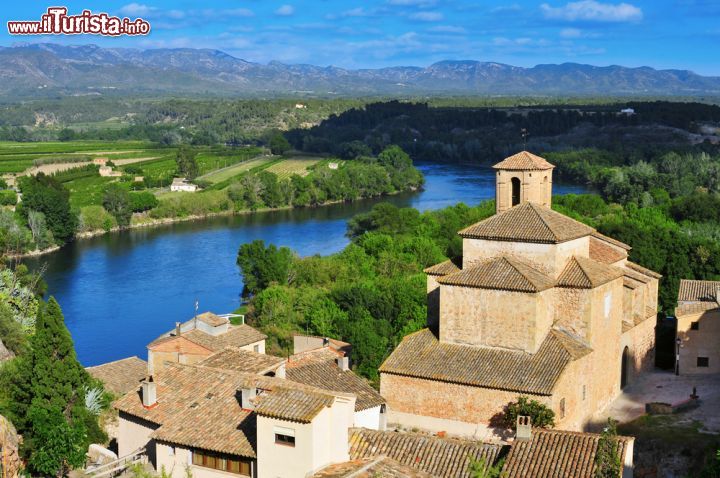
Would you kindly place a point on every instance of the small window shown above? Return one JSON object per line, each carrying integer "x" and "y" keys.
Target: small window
{"x": 171, "y": 450}
{"x": 694, "y": 325}
{"x": 583, "y": 392}
{"x": 608, "y": 304}
{"x": 703, "y": 362}
{"x": 286, "y": 440}
{"x": 256, "y": 348}
{"x": 562, "y": 408}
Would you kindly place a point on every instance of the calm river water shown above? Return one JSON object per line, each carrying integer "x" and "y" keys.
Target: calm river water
{"x": 119, "y": 291}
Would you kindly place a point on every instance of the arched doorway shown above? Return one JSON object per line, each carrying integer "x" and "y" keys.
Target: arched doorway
{"x": 624, "y": 369}
{"x": 515, "y": 182}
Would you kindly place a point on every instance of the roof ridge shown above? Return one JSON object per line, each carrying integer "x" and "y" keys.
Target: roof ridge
{"x": 540, "y": 216}
{"x": 513, "y": 262}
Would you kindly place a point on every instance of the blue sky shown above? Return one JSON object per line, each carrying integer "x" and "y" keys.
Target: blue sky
{"x": 681, "y": 34}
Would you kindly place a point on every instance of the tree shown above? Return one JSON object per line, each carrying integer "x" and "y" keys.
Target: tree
{"x": 41, "y": 234}
{"x": 607, "y": 458}
{"x": 46, "y": 390}
{"x": 144, "y": 201}
{"x": 45, "y": 194}
{"x": 541, "y": 416}
{"x": 116, "y": 201}
{"x": 186, "y": 164}
{"x": 262, "y": 265}
{"x": 278, "y": 144}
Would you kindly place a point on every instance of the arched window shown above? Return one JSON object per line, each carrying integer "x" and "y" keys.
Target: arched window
{"x": 515, "y": 191}
{"x": 624, "y": 370}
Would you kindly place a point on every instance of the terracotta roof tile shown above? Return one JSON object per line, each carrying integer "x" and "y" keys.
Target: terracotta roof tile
{"x": 442, "y": 457}
{"x": 524, "y": 161}
{"x": 444, "y": 268}
{"x": 236, "y": 335}
{"x": 327, "y": 375}
{"x": 643, "y": 270}
{"x": 584, "y": 273}
{"x": 292, "y": 404}
{"x": 239, "y": 360}
{"x": 120, "y": 376}
{"x": 212, "y": 319}
{"x": 603, "y": 252}
{"x": 528, "y": 222}
{"x": 421, "y": 355}
{"x": 371, "y": 467}
{"x": 503, "y": 273}
{"x": 556, "y": 454}
{"x": 180, "y": 344}
{"x": 611, "y": 240}
{"x": 698, "y": 290}
{"x": 636, "y": 276}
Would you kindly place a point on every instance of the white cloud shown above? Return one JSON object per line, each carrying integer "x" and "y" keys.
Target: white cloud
{"x": 136, "y": 10}
{"x": 427, "y": 16}
{"x": 571, "y": 33}
{"x": 591, "y": 10}
{"x": 414, "y": 3}
{"x": 285, "y": 11}
{"x": 447, "y": 29}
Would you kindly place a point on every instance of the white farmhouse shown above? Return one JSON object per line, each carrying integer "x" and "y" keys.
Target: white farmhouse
{"x": 182, "y": 184}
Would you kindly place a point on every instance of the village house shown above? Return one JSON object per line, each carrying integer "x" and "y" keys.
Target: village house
{"x": 698, "y": 326}
{"x": 199, "y": 338}
{"x": 107, "y": 172}
{"x": 183, "y": 185}
{"x": 539, "y": 305}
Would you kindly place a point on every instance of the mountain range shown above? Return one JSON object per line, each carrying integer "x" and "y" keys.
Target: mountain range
{"x": 47, "y": 69}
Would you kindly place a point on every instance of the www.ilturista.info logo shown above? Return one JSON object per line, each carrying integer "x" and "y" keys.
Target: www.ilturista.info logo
{"x": 57, "y": 22}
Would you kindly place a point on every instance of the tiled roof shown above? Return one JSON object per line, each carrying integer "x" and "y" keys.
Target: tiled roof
{"x": 524, "y": 161}
{"x": 212, "y": 319}
{"x": 556, "y": 454}
{"x": 327, "y": 375}
{"x": 444, "y": 268}
{"x": 603, "y": 252}
{"x": 291, "y": 404}
{"x": 643, "y": 270}
{"x": 442, "y": 457}
{"x": 584, "y": 273}
{"x": 180, "y": 344}
{"x": 120, "y": 376}
{"x": 421, "y": 355}
{"x": 371, "y": 467}
{"x": 698, "y": 290}
{"x": 237, "y": 335}
{"x": 191, "y": 398}
{"x": 503, "y": 273}
{"x": 611, "y": 240}
{"x": 636, "y": 276}
{"x": 630, "y": 283}
{"x": 239, "y": 360}
{"x": 528, "y": 222}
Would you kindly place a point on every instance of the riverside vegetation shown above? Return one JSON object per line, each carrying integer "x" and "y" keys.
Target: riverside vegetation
{"x": 55, "y": 207}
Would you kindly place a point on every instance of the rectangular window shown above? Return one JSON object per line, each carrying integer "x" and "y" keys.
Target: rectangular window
{"x": 703, "y": 362}
{"x": 286, "y": 440}
{"x": 562, "y": 408}
{"x": 608, "y": 304}
{"x": 256, "y": 348}
{"x": 583, "y": 394}
{"x": 222, "y": 462}
{"x": 694, "y": 325}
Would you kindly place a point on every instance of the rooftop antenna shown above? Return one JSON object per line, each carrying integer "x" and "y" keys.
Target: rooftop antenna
{"x": 524, "y": 133}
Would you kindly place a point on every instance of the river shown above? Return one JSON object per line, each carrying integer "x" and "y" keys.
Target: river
{"x": 121, "y": 290}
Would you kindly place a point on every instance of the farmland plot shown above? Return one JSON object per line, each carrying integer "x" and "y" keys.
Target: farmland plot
{"x": 286, "y": 168}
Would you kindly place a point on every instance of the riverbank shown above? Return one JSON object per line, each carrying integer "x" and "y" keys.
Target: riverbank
{"x": 143, "y": 220}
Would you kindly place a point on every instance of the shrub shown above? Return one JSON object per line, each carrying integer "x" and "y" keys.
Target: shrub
{"x": 8, "y": 197}
{"x": 540, "y": 415}
{"x": 140, "y": 202}
{"x": 93, "y": 218}
{"x": 188, "y": 204}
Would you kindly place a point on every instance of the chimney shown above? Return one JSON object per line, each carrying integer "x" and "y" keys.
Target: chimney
{"x": 247, "y": 397}
{"x": 523, "y": 431}
{"x": 149, "y": 393}
{"x": 325, "y": 341}
{"x": 343, "y": 363}
{"x": 280, "y": 371}
{"x": 178, "y": 330}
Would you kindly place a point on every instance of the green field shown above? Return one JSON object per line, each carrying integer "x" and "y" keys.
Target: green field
{"x": 297, "y": 165}
{"x": 88, "y": 191}
{"x": 227, "y": 173}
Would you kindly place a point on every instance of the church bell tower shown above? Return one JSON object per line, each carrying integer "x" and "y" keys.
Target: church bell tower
{"x": 522, "y": 177}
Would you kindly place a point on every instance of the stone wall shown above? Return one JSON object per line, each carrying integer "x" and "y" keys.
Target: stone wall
{"x": 535, "y": 186}
{"x": 702, "y": 342}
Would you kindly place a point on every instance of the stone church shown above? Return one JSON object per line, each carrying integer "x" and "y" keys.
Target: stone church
{"x": 539, "y": 305}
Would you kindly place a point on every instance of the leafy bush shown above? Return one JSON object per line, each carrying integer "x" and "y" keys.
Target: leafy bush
{"x": 541, "y": 415}
{"x": 140, "y": 202}
{"x": 8, "y": 197}
{"x": 184, "y": 204}
{"x": 93, "y": 218}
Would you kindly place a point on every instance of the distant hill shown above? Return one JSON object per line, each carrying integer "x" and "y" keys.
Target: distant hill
{"x": 44, "y": 70}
